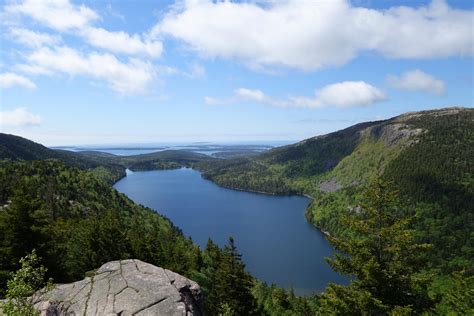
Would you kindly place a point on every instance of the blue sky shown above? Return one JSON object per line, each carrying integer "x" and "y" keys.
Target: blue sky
{"x": 104, "y": 72}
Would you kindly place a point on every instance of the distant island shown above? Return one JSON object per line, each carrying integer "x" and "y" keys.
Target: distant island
{"x": 395, "y": 196}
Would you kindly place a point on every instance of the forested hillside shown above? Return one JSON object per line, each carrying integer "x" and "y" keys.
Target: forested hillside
{"x": 18, "y": 148}
{"x": 422, "y": 165}
{"x": 107, "y": 166}
{"x": 427, "y": 156}
{"x": 76, "y": 222}
{"x": 166, "y": 159}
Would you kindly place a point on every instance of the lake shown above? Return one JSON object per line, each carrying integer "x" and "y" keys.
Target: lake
{"x": 277, "y": 243}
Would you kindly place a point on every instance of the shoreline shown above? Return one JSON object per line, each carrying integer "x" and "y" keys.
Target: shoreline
{"x": 306, "y": 195}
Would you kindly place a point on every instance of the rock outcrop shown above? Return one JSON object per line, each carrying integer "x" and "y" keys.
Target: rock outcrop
{"x": 330, "y": 186}
{"x": 126, "y": 287}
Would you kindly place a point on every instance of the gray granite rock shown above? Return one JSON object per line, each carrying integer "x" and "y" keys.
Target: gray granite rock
{"x": 330, "y": 186}
{"x": 127, "y": 287}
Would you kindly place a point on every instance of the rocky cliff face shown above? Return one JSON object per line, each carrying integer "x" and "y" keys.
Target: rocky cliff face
{"x": 127, "y": 287}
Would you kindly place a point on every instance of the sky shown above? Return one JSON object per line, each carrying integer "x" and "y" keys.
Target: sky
{"x": 115, "y": 72}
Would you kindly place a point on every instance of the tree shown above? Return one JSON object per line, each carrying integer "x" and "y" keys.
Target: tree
{"x": 382, "y": 256}
{"x": 24, "y": 283}
{"x": 458, "y": 295}
{"x": 226, "y": 284}
{"x": 233, "y": 283}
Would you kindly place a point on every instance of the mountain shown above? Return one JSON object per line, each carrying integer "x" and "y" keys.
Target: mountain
{"x": 14, "y": 147}
{"x": 166, "y": 159}
{"x": 108, "y": 166}
{"x": 76, "y": 222}
{"x": 428, "y": 156}
{"x": 52, "y": 202}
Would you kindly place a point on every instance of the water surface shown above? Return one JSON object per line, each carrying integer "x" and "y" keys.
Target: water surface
{"x": 277, "y": 243}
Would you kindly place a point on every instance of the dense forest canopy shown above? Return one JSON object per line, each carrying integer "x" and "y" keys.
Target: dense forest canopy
{"x": 76, "y": 222}
{"x": 428, "y": 156}
{"x": 422, "y": 165}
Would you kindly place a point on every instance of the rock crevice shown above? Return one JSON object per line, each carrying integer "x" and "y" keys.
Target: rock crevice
{"x": 126, "y": 287}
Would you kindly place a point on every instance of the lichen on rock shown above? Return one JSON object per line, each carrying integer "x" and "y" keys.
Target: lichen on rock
{"x": 126, "y": 287}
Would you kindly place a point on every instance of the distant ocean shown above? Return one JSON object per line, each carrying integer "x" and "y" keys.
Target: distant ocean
{"x": 203, "y": 148}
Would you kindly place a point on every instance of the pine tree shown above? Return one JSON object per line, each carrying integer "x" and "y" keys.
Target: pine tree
{"x": 234, "y": 283}
{"x": 225, "y": 283}
{"x": 382, "y": 256}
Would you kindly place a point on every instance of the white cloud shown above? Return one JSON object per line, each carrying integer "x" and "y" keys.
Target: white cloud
{"x": 125, "y": 78}
{"x": 18, "y": 117}
{"x": 309, "y": 35}
{"x": 216, "y": 101}
{"x": 417, "y": 80}
{"x": 350, "y": 94}
{"x": 255, "y": 95}
{"x": 122, "y": 72}
{"x": 57, "y": 14}
{"x": 9, "y": 79}
{"x": 63, "y": 16}
{"x": 32, "y": 38}
{"x": 121, "y": 42}
{"x": 33, "y": 69}
{"x": 342, "y": 95}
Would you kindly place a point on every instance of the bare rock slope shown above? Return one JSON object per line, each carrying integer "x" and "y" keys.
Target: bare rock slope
{"x": 126, "y": 287}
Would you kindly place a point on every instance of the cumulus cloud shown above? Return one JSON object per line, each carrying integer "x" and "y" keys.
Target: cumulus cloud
{"x": 312, "y": 34}
{"x": 57, "y": 14}
{"x": 10, "y": 79}
{"x": 350, "y": 94}
{"x": 121, "y": 59}
{"x": 18, "y": 117}
{"x": 125, "y": 78}
{"x": 121, "y": 42}
{"x": 32, "y": 38}
{"x": 63, "y": 16}
{"x": 342, "y": 95}
{"x": 417, "y": 80}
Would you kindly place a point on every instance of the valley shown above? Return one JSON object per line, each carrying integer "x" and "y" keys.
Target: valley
{"x": 424, "y": 158}
{"x": 277, "y": 244}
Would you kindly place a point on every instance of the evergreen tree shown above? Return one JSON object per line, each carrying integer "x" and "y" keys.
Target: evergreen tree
{"x": 458, "y": 296}
{"x": 224, "y": 281}
{"x": 234, "y": 283}
{"x": 382, "y": 256}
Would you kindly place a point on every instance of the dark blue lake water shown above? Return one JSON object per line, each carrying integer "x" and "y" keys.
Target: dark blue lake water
{"x": 277, "y": 243}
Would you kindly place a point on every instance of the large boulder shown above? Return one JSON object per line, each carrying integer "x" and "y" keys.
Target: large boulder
{"x": 126, "y": 287}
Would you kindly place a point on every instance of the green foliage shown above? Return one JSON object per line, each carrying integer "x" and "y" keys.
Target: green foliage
{"x": 273, "y": 300}
{"x": 225, "y": 282}
{"x": 65, "y": 213}
{"x": 76, "y": 222}
{"x": 17, "y": 148}
{"x": 428, "y": 156}
{"x": 24, "y": 283}
{"x": 279, "y": 170}
{"x": 383, "y": 257}
{"x": 327, "y": 209}
{"x": 317, "y": 155}
{"x": 457, "y": 293}
{"x": 248, "y": 175}
{"x": 437, "y": 176}
{"x": 369, "y": 158}
{"x": 166, "y": 159}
